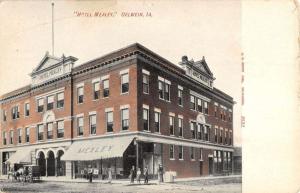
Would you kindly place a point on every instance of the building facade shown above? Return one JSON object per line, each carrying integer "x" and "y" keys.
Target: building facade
{"x": 128, "y": 108}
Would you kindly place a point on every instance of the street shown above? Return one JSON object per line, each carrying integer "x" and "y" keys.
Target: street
{"x": 71, "y": 187}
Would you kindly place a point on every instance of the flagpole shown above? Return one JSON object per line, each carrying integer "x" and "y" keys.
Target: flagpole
{"x": 52, "y": 29}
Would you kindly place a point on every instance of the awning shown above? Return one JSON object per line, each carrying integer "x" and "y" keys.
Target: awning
{"x": 20, "y": 157}
{"x": 95, "y": 149}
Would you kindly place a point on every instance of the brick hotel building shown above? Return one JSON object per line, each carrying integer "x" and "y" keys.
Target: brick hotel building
{"x": 129, "y": 107}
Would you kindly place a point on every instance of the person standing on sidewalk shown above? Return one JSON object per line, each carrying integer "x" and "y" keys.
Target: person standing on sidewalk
{"x": 109, "y": 175}
{"x": 90, "y": 175}
{"x": 146, "y": 175}
{"x": 160, "y": 174}
{"x": 132, "y": 175}
{"x": 138, "y": 175}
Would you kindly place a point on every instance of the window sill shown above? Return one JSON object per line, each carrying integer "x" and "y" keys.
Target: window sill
{"x": 193, "y": 160}
{"x": 158, "y": 133}
{"x": 121, "y": 130}
{"x": 109, "y": 133}
{"x": 125, "y": 93}
{"x": 105, "y": 97}
{"x": 59, "y": 108}
{"x": 180, "y": 106}
{"x": 201, "y": 160}
{"x": 181, "y": 159}
{"x": 172, "y": 159}
{"x": 147, "y": 131}
{"x": 94, "y": 100}
{"x": 79, "y": 136}
{"x": 145, "y": 93}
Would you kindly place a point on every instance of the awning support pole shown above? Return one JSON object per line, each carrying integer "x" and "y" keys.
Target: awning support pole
{"x": 137, "y": 155}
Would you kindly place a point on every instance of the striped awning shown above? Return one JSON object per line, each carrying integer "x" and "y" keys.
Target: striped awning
{"x": 20, "y": 157}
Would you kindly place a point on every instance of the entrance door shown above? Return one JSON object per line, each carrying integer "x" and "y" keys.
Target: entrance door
{"x": 210, "y": 165}
{"x": 201, "y": 168}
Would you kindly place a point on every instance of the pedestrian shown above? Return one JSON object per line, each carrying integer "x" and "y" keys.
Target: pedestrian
{"x": 90, "y": 175}
{"x": 138, "y": 175}
{"x": 132, "y": 173}
{"x": 109, "y": 175}
{"x": 160, "y": 174}
{"x": 146, "y": 175}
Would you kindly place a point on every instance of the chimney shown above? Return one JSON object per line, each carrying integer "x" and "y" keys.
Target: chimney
{"x": 184, "y": 58}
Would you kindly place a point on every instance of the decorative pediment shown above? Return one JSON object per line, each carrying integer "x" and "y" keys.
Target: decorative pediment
{"x": 46, "y": 62}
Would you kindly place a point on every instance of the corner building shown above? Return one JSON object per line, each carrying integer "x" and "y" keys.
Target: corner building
{"x": 128, "y": 108}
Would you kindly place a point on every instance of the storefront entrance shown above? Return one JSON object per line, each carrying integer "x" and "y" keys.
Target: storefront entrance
{"x": 41, "y": 162}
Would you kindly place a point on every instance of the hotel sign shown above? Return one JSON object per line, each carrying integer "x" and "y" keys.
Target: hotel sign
{"x": 50, "y": 74}
{"x": 199, "y": 77}
{"x": 95, "y": 149}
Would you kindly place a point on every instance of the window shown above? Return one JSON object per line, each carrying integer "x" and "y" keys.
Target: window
{"x": 221, "y": 134}
{"x": 146, "y": 83}
{"x": 26, "y": 134}
{"x": 146, "y": 119}
{"x": 60, "y": 100}
{"x": 19, "y": 135}
{"x": 229, "y": 116}
{"x": 124, "y": 83}
{"x": 201, "y": 154}
{"x": 106, "y": 88}
{"x": 80, "y": 95}
{"x": 205, "y": 107}
{"x": 199, "y": 105}
{"x": 161, "y": 89}
{"x": 230, "y": 137}
{"x": 171, "y": 124}
{"x": 40, "y": 132}
{"x": 26, "y": 109}
{"x": 180, "y": 102}
{"x": 15, "y": 112}
{"x": 50, "y": 102}
{"x": 92, "y": 124}
{"x": 216, "y": 110}
{"x": 40, "y": 105}
{"x": 109, "y": 121}
{"x": 206, "y": 133}
{"x": 192, "y": 153}
{"x": 79, "y": 126}
{"x": 125, "y": 118}
{"x": 96, "y": 90}
{"x": 4, "y": 137}
{"x": 200, "y": 131}
{"x": 180, "y": 152}
{"x": 216, "y": 135}
{"x": 192, "y": 103}
{"x": 157, "y": 121}
{"x": 193, "y": 129}
{"x": 171, "y": 151}
{"x": 60, "y": 129}
{"x": 180, "y": 127}
{"x": 11, "y": 134}
{"x": 4, "y": 115}
{"x": 49, "y": 130}
{"x": 167, "y": 92}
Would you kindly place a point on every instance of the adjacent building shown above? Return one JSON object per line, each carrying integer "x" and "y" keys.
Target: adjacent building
{"x": 128, "y": 108}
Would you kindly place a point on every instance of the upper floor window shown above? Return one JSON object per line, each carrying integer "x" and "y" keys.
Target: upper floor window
{"x": 40, "y": 132}
{"x": 27, "y": 134}
{"x": 96, "y": 90}
{"x": 157, "y": 121}
{"x": 109, "y": 121}
{"x": 80, "y": 95}
{"x": 171, "y": 151}
{"x": 161, "y": 89}
{"x": 20, "y": 135}
{"x": 192, "y": 153}
{"x": 15, "y": 112}
{"x": 40, "y": 107}
{"x": 216, "y": 110}
{"x": 79, "y": 126}
{"x": 60, "y": 100}
{"x": 180, "y": 98}
{"x": 193, "y": 129}
{"x": 93, "y": 124}
{"x": 106, "y": 88}
{"x": 225, "y": 137}
{"x": 4, "y": 137}
{"x": 146, "y": 119}
{"x": 26, "y": 109}
{"x": 145, "y": 83}
{"x": 199, "y": 105}
{"x": 11, "y": 135}
{"x": 200, "y": 131}
{"x": 216, "y": 134}
{"x": 229, "y": 116}
{"x": 167, "y": 92}
{"x": 206, "y": 132}
{"x": 180, "y": 152}
{"x": 205, "y": 107}
{"x": 230, "y": 137}
{"x": 171, "y": 125}
{"x": 180, "y": 127}
{"x": 125, "y": 118}
{"x": 4, "y": 116}
{"x": 164, "y": 89}
{"x": 192, "y": 103}
{"x": 201, "y": 154}
{"x": 60, "y": 129}
{"x": 124, "y": 83}
{"x": 49, "y": 130}
{"x": 221, "y": 135}
{"x": 50, "y": 102}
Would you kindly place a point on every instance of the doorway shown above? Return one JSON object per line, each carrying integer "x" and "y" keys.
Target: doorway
{"x": 210, "y": 165}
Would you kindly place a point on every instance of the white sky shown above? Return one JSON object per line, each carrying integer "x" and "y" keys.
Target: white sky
{"x": 193, "y": 28}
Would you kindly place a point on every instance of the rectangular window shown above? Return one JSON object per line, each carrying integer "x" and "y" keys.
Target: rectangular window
{"x": 26, "y": 109}
{"x": 125, "y": 83}
{"x": 125, "y": 119}
{"x": 27, "y": 135}
{"x": 50, "y": 102}
{"x": 79, "y": 126}
{"x": 96, "y": 90}
{"x": 60, "y": 100}
{"x": 105, "y": 88}
{"x": 201, "y": 154}
{"x": 40, "y": 132}
{"x": 146, "y": 119}
{"x": 221, "y": 135}
{"x": 11, "y": 134}
{"x": 49, "y": 130}
{"x": 199, "y": 105}
{"x": 230, "y": 138}
{"x": 225, "y": 137}
{"x": 205, "y": 107}
{"x": 206, "y": 132}
{"x": 200, "y": 131}
{"x": 180, "y": 127}
{"x": 157, "y": 121}
{"x": 4, "y": 115}
{"x": 192, "y": 153}
{"x": 161, "y": 89}
{"x": 171, "y": 151}
{"x": 80, "y": 95}
{"x": 19, "y": 135}
{"x": 4, "y": 137}
{"x": 40, "y": 105}
{"x": 167, "y": 92}
{"x": 216, "y": 110}
{"x": 92, "y": 124}
{"x": 145, "y": 83}
{"x": 216, "y": 135}
{"x": 193, "y": 129}
{"x": 15, "y": 112}
{"x": 192, "y": 103}
{"x": 180, "y": 100}
{"x": 109, "y": 121}
{"x": 180, "y": 152}
{"x": 171, "y": 125}
{"x": 60, "y": 129}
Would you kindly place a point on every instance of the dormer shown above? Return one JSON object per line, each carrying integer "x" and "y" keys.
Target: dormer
{"x": 198, "y": 70}
{"x": 51, "y": 67}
